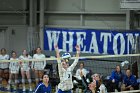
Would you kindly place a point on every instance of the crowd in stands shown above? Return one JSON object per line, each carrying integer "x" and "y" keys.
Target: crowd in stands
{"x": 83, "y": 80}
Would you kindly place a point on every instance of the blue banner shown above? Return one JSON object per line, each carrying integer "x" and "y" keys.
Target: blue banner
{"x": 91, "y": 40}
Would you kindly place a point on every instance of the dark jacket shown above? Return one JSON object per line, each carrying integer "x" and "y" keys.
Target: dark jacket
{"x": 118, "y": 77}
{"x": 130, "y": 81}
{"x": 41, "y": 88}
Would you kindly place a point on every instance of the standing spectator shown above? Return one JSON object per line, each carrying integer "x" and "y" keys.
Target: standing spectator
{"x": 4, "y": 66}
{"x": 25, "y": 69}
{"x": 43, "y": 87}
{"x": 115, "y": 80}
{"x": 81, "y": 68}
{"x": 38, "y": 66}
{"x": 14, "y": 70}
{"x": 129, "y": 81}
{"x": 77, "y": 78}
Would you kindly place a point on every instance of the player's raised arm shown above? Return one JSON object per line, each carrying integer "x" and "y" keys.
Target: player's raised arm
{"x": 58, "y": 60}
{"x": 57, "y": 51}
{"x": 77, "y": 50}
{"x": 77, "y": 57}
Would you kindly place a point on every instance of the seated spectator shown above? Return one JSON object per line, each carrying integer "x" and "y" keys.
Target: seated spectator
{"x": 115, "y": 80}
{"x": 43, "y": 87}
{"x": 129, "y": 81}
{"x": 96, "y": 86}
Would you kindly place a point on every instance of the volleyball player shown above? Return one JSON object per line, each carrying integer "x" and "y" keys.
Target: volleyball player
{"x": 65, "y": 71}
{"x": 39, "y": 66}
{"x": 4, "y": 71}
{"x": 14, "y": 70}
{"x": 44, "y": 86}
{"x": 25, "y": 69}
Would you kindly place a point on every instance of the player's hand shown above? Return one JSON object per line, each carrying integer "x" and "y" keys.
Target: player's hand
{"x": 113, "y": 80}
{"x": 92, "y": 85}
{"x": 20, "y": 63}
{"x": 77, "y": 48}
{"x": 81, "y": 74}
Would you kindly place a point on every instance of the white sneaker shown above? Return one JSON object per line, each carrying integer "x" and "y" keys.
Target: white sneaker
{"x": 8, "y": 87}
{"x": 56, "y": 89}
{"x": 30, "y": 89}
{"x": 0, "y": 86}
{"x": 24, "y": 89}
{"x": 15, "y": 88}
{"x": 80, "y": 91}
{"x": 116, "y": 90}
{"x": 77, "y": 90}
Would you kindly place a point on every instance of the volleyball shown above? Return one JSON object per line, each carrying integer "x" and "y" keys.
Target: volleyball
{"x": 66, "y": 56}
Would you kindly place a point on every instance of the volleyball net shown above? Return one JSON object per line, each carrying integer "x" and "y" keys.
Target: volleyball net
{"x": 102, "y": 64}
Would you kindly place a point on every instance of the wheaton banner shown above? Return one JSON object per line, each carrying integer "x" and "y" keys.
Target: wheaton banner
{"x": 91, "y": 40}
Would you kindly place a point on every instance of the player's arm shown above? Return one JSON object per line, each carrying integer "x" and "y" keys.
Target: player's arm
{"x": 33, "y": 63}
{"x": 57, "y": 52}
{"x": 10, "y": 64}
{"x": 112, "y": 77}
{"x": 44, "y": 62}
{"x": 7, "y": 57}
{"x": 38, "y": 89}
{"x": 84, "y": 82}
{"x": 77, "y": 58}
{"x": 58, "y": 59}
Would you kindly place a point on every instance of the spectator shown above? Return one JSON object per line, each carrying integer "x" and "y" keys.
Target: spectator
{"x": 129, "y": 81}
{"x": 14, "y": 71}
{"x": 43, "y": 87}
{"x": 38, "y": 67}
{"x": 4, "y": 71}
{"x": 81, "y": 68}
{"x": 96, "y": 86}
{"x": 115, "y": 80}
{"x": 77, "y": 78}
{"x": 25, "y": 69}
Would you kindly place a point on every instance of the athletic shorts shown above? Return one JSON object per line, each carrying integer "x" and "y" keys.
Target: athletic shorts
{"x": 25, "y": 68}
{"x": 14, "y": 71}
{"x": 38, "y": 68}
{"x": 4, "y": 68}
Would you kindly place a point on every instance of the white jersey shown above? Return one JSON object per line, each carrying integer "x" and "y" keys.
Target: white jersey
{"x": 66, "y": 76}
{"x": 25, "y": 66}
{"x": 84, "y": 71}
{"x": 40, "y": 65}
{"x": 14, "y": 66}
{"x": 4, "y": 65}
{"x": 102, "y": 89}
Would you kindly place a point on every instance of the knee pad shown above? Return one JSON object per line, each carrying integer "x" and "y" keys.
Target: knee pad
{"x": 0, "y": 79}
{"x": 16, "y": 81}
{"x": 9, "y": 81}
{"x": 29, "y": 80}
{"x": 36, "y": 79}
{"x": 23, "y": 80}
